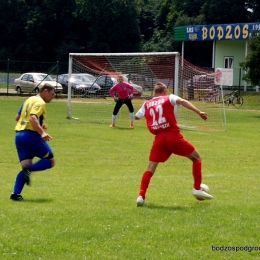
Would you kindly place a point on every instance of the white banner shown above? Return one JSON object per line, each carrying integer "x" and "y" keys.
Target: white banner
{"x": 223, "y": 77}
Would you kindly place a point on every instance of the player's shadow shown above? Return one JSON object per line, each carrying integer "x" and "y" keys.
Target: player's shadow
{"x": 38, "y": 200}
{"x": 195, "y": 205}
{"x": 171, "y": 208}
{"x": 124, "y": 128}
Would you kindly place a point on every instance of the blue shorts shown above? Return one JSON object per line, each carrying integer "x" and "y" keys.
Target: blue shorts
{"x": 29, "y": 144}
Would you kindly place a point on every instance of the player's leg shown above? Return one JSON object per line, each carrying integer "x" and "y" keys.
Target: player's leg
{"x": 118, "y": 105}
{"x": 129, "y": 104}
{"x": 19, "y": 184}
{"x": 182, "y": 147}
{"x": 196, "y": 168}
{"x": 37, "y": 147}
{"x": 145, "y": 180}
{"x": 158, "y": 153}
{"x": 42, "y": 150}
{"x": 24, "y": 175}
{"x": 23, "y": 155}
{"x": 198, "y": 192}
{"x": 29, "y": 145}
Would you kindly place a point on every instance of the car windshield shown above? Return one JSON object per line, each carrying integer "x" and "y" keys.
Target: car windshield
{"x": 80, "y": 78}
{"x": 127, "y": 79}
{"x": 43, "y": 77}
{"x": 90, "y": 77}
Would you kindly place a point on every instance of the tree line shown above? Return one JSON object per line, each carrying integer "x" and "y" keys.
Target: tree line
{"x": 48, "y": 30}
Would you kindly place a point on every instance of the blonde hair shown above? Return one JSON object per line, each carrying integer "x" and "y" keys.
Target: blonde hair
{"x": 159, "y": 87}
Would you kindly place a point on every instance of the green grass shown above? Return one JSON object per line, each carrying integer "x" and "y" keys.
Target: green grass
{"x": 84, "y": 208}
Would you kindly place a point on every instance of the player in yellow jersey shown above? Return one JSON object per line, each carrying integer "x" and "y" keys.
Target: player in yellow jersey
{"x": 31, "y": 139}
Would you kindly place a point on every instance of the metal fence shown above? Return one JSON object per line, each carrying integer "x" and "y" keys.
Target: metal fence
{"x": 12, "y": 69}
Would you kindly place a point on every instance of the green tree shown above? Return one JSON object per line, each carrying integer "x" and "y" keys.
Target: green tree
{"x": 251, "y": 64}
{"x": 113, "y": 26}
{"x": 44, "y": 30}
{"x": 161, "y": 36}
{"x": 253, "y": 7}
{"x": 147, "y": 20}
{"x": 224, "y": 11}
{"x": 12, "y": 25}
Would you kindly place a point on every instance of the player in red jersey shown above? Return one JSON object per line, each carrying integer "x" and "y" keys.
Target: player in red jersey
{"x": 160, "y": 115}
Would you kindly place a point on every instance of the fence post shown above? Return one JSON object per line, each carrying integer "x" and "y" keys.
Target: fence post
{"x": 7, "y": 80}
{"x": 57, "y": 73}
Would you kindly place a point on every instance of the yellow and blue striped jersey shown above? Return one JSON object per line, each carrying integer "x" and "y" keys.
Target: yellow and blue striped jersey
{"x": 32, "y": 106}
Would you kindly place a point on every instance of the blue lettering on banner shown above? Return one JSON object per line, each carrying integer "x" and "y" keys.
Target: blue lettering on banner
{"x": 220, "y": 32}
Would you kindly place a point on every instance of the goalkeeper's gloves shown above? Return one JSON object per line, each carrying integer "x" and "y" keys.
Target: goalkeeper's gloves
{"x": 116, "y": 99}
{"x": 130, "y": 97}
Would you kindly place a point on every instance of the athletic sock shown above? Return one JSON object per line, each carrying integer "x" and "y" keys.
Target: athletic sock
{"x": 113, "y": 119}
{"x": 196, "y": 172}
{"x": 145, "y": 183}
{"x": 131, "y": 115}
{"x": 19, "y": 183}
{"x": 40, "y": 165}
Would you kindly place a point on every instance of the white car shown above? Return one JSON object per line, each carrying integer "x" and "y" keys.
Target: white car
{"x": 138, "y": 90}
{"x": 31, "y": 83}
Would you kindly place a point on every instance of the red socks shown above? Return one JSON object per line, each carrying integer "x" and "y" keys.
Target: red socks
{"x": 196, "y": 171}
{"x": 144, "y": 183}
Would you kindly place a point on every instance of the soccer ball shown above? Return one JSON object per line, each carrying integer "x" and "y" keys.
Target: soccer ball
{"x": 204, "y": 187}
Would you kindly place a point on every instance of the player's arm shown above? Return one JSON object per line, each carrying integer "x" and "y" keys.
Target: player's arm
{"x": 140, "y": 113}
{"x": 18, "y": 115}
{"x": 112, "y": 90}
{"x": 190, "y": 106}
{"x": 37, "y": 127}
{"x": 131, "y": 88}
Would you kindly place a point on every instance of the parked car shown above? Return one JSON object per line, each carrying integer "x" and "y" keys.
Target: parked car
{"x": 138, "y": 90}
{"x": 147, "y": 83}
{"x": 204, "y": 81}
{"x": 80, "y": 84}
{"x": 32, "y": 82}
{"x": 106, "y": 82}
{"x": 91, "y": 77}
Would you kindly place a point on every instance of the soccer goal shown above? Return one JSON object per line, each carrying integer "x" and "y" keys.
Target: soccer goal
{"x": 91, "y": 102}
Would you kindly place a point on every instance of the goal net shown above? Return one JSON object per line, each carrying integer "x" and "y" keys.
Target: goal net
{"x": 91, "y": 102}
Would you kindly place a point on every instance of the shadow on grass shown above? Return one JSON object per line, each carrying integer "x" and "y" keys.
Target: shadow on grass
{"x": 39, "y": 200}
{"x": 255, "y": 116}
{"x": 196, "y": 206}
{"x": 123, "y": 128}
{"x": 172, "y": 208}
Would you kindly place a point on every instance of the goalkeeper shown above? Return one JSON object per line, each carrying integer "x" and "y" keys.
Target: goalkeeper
{"x": 122, "y": 92}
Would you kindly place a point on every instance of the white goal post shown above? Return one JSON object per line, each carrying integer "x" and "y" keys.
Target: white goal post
{"x": 92, "y": 103}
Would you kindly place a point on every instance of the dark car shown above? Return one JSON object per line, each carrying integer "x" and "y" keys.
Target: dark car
{"x": 147, "y": 83}
{"x": 91, "y": 77}
{"x": 80, "y": 84}
{"x": 106, "y": 82}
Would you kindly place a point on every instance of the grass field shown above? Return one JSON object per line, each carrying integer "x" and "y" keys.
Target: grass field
{"x": 85, "y": 207}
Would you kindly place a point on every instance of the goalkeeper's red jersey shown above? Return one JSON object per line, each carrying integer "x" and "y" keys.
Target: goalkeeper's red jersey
{"x": 160, "y": 114}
